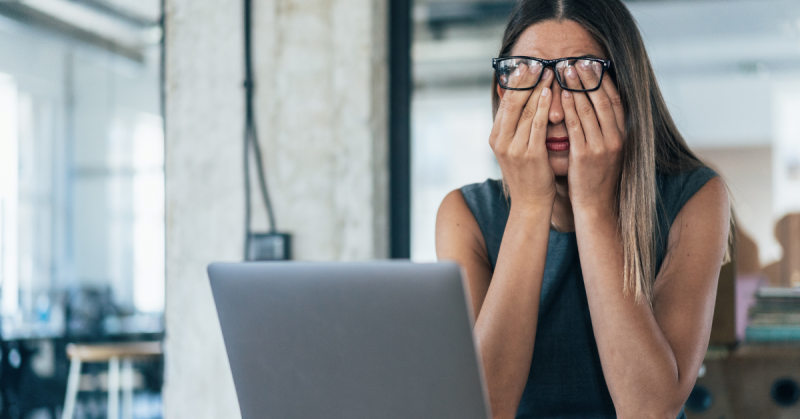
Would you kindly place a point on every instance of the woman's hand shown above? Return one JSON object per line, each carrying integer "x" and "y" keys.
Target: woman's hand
{"x": 518, "y": 140}
{"x": 596, "y": 126}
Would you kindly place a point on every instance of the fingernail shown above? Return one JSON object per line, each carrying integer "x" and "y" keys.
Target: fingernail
{"x": 547, "y": 73}
{"x": 545, "y": 92}
{"x": 571, "y": 72}
{"x": 567, "y": 93}
{"x": 584, "y": 64}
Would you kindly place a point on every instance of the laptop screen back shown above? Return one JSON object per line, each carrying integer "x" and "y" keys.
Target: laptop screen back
{"x": 386, "y": 340}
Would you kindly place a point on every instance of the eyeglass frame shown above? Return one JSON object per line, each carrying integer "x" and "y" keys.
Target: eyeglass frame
{"x": 552, "y": 63}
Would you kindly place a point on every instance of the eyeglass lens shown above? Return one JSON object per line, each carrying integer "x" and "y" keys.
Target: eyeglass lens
{"x": 524, "y": 73}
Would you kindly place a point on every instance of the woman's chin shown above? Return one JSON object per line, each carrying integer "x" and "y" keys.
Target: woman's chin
{"x": 560, "y": 164}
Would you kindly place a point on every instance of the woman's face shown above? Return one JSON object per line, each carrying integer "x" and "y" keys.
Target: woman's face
{"x": 550, "y": 40}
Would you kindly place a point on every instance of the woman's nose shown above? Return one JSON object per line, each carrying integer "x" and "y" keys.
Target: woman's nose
{"x": 556, "y": 111}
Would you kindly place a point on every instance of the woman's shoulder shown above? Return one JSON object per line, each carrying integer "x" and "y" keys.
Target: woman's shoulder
{"x": 677, "y": 188}
{"x": 458, "y": 232}
{"x": 680, "y": 179}
{"x": 487, "y": 187}
{"x": 485, "y": 197}
{"x": 489, "y": 206}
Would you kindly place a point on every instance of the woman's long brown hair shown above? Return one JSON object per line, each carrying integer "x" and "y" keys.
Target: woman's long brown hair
{"x": 652, "y": 144}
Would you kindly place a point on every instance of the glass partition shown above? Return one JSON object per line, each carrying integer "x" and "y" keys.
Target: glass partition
{"x": 81, "y": 199}
{"x": 82, "y": 190}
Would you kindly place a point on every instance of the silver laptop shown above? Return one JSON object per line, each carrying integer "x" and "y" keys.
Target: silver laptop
{"x": 385, "y": 340}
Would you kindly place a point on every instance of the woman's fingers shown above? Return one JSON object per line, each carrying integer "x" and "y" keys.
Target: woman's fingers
{"x": 589, "y": 73}
{"x": 577, "y": 139}
{"x": 514, "y": 100}
{"x": 616, "y": 102}
{"x": 495, "y": 134}
{"x": 521, "y": 76}
{"x": 526, "y": 120}
{"x": 538, "y": 135}
{"x": 583, "y": 107}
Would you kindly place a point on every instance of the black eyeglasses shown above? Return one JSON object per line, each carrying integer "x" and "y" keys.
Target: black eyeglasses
{"x": 514, "y": 71}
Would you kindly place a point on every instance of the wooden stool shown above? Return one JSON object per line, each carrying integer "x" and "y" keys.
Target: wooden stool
{"x": 111, "y": 353}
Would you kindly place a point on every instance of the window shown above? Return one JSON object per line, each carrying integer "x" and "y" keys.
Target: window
{"x": 81, "y": 175}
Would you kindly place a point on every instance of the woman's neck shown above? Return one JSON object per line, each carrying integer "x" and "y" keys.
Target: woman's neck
{"x": 562, "y": 218}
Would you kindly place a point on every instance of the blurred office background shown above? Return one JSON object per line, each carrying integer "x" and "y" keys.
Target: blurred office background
{"x": 730, "y": 74}
{"x": 85, "y": 247}
{"x": 81, "y": 197}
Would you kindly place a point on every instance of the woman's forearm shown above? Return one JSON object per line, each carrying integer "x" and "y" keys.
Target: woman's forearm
{"x": 506, "y": 325}
{"x": 638, "y": 363}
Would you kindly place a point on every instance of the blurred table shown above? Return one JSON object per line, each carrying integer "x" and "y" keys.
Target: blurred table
{"x": 112, "y": 353}
{"x": 750, "y": 380}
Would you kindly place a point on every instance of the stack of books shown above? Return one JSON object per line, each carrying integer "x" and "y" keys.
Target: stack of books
{"x": 775, "y": 317}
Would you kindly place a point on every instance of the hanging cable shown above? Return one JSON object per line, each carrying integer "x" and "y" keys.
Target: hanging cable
{"x": 251, "y": 142}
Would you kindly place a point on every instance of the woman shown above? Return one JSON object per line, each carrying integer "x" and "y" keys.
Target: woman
{"x": 593, "y": 265}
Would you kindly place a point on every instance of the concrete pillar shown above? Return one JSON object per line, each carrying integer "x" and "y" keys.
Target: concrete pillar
{"x": 322, "y": 114}
{"x": 321, "y": 107}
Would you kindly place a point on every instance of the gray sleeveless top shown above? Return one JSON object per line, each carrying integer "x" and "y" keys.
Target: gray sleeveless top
{"x": 566, "y": 379}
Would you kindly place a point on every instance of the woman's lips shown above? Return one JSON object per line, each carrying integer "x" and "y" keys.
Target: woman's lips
{"x": 557, "y": 143}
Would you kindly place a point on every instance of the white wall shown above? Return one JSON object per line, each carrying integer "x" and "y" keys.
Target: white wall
{"x": 322, "y": 112}
{"x": 450, "y": 149}
{"x": 321, "y": 74}
{"x": 748, "y": 173}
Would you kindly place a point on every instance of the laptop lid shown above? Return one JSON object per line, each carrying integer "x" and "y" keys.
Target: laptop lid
{"x": 386, "y": 340}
